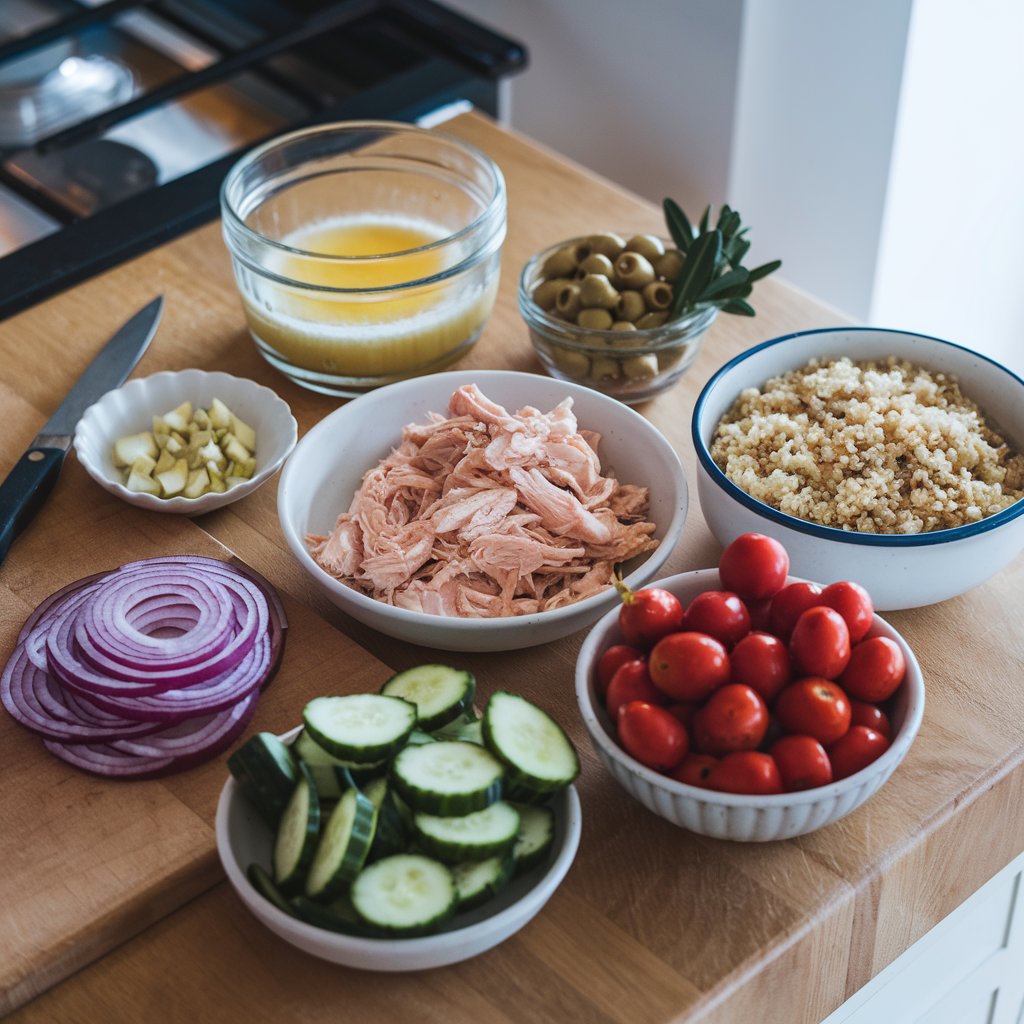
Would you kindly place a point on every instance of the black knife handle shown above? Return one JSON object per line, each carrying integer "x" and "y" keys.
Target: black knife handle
{"x": 24, "y": 491}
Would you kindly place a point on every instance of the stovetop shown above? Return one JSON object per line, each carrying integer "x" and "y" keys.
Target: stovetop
{"x": 119, "y": 119}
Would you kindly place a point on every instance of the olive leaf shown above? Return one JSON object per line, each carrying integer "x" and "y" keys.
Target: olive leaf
{"x": 713, "y": 274}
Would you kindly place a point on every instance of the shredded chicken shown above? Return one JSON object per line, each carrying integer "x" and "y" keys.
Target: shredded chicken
{"x": 486, "y": 513}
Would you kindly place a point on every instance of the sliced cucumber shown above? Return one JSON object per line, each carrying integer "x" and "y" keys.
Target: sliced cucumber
{"x": 449, "y": 777}
{"x": 264, "y": 885}
{"x": 533, "y": 747}
{"x": 475, "y": 836}
{"x": 329, "y": 771}
{"x": 343, "y": 846}
{"x": 440, "y": 693}
{"x": 407, "y": 894}
{"x": 418, "y": 736}
{"x": 339, "y": 916}
{"x": 466, "y": 727}
{"x": 392, "y": 835}
{"x": 266, "y": 773}
{"x": 297, "y": 833}
{"x": 536, "y": 834}
{"x": 361, "y": 727}
{"x": 477, "y": 881}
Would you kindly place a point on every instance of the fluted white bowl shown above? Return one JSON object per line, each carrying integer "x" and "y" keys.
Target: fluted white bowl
{"x": 329, "y": 463}
{"x": 243, "y": 838}
{"x": 898, "y": 570}
{"x": 130, "y": 409}
{"x": 735, "y": 816}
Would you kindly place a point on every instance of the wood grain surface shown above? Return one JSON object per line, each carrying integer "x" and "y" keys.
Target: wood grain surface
{"x": 652, "y": 924}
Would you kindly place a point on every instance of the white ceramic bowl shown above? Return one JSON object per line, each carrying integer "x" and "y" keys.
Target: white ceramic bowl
{"x": 727, "y": 815}
{"x": 130, "y": 409}
{"x": 329, "y": 462}
{"x": 899, "y": 571}
{"x": 244, "y": 838}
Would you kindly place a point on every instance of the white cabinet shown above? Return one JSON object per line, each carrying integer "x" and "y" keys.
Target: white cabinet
{"x": 969, "y": 969}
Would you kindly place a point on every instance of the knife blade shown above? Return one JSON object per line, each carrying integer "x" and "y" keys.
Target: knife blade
{"x": 25, "y": 489}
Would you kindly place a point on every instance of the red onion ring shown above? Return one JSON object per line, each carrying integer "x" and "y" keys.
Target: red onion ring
{"x": 147, "y": 669}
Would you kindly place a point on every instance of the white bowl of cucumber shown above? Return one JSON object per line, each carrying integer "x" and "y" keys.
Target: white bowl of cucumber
{"x": 397, "y": 831}
{"x": 185, "y": 441}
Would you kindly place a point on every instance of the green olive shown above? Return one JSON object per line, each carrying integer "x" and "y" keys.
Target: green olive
{"x": 581, "y": 249}
{"x": 605, "y": 366}
{"x": 623, "y": 325}
{"x": 574, "y": 364}
{"x": 596, "y": 263}
{"x": 649, "y": 320}
{"x": 657, "y": 295}
{"x": 631, "y": 306}
{"x": 594, "y": 318}
{"x": 607, "y": 243}
{"x": 547, "y": 291}
{"x": 669, "y": 266}
{"x": 560, "y": 263}
{"x": 597, "y": 290}
{"x": 633, "y": 270}
{"x": 648, "y": 246}
{"x": 567, "y": 301}
{"x": 639, "y": 367}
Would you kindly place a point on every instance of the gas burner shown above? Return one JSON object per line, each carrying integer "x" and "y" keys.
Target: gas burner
{"x": 54, "y": 88}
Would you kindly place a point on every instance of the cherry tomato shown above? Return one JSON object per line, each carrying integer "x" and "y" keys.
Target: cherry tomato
{"x": 876, "y": 669}
{"x": 761, "y": 661}
{"x": 720, "y": 614}
{"x": 854, "y": 603}
{"x": 856, "y": 750}
{"x": 694, "y": 769}
{"x": 631, "y": 681}
{"x": 688, "y": 666}
{"x": 814, "y": 707}
{"x": 873, "y": 717}
{"x": 789, "y": 604}
{"x": 616, "y": 655}
{"x": 652, "y": 735}
{"x": 802, "y": 761}
{"x": 734, "y": 718}
{"x": 746, "y": 771}
{"x": 820, "y": 644}
{"x": 648, "y": 615}
{"x": 754, "y": 566}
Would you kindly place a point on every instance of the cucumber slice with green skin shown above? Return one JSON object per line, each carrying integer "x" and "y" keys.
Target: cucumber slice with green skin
{"x": 418, "y": 736}
{"x": 266, "y": 773}
{"x": 407, "y": 894}
{"x": 477, "y": 881}
{"x": 449, "y": 777}
{"x": 329, "y": 771}
{"x": 264, "y": 885}
{"x": 475, "y": 836}
{"x": 536, "y": 834}
{"x": 440, "y": 693}
{"x": 343, "y": 846}
{"x": 364, "y": 728}
{"x": 392, "y": 835}
{"x": 339, "y": 916}
{"x": 534, "y": 748}
{"x": 297, "y": 833}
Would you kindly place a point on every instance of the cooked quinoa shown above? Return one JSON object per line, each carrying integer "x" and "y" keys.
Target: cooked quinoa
{"x": 876, "y": 447}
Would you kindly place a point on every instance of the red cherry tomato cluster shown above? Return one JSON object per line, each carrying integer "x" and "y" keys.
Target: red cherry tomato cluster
{"x": 762, "y": 687}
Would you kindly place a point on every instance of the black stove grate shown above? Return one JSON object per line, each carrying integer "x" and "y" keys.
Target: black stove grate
{"x": 402, "y": 60}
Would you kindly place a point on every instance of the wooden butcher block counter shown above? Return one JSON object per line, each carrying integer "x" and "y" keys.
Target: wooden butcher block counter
{"x": 112, "y": 904}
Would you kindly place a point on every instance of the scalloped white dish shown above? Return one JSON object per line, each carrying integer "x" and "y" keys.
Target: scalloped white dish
{"x": 130, "y": 408}
{"x": 243, "y": 838}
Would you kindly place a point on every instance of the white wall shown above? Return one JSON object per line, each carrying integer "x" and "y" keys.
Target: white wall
{"x": 951, "y": 258}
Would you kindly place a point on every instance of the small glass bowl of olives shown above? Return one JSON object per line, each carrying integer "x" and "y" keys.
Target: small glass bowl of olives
{"x": 597, "y": 308}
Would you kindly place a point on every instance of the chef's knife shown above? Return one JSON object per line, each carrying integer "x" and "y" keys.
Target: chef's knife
{"x": 34, "y": 474}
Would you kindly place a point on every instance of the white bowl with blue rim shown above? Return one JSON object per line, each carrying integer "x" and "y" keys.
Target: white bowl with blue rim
{"x": 899, "y": 571}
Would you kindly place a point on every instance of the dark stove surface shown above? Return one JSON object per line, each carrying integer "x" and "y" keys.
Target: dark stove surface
{"x": 119, "y": 119}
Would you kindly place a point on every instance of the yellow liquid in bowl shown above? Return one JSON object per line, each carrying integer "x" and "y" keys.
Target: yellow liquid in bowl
{"x": 353, "y": 333}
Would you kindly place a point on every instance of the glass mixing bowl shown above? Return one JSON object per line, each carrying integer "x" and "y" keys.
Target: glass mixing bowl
{"x": 365, "y": 252}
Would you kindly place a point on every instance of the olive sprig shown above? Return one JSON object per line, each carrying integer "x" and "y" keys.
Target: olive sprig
{"x": 712, "y": 274}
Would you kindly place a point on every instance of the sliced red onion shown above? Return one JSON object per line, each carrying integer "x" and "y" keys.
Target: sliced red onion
{"x": 147, "y": 669}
